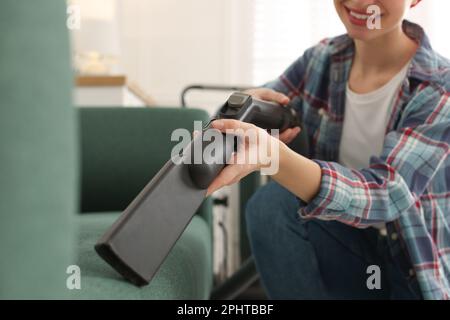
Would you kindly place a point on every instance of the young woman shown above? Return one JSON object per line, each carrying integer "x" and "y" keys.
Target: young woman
{"x": 366, "y": 213}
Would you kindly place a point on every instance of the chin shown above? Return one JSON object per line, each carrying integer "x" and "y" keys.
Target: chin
{"x": 363, "y": 35}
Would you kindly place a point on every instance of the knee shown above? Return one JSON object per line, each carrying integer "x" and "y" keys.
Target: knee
{"x": 254, "y": 209}
{"x": 271, "y": 205}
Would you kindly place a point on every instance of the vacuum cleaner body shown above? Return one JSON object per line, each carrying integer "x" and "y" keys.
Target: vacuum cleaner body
{"x": 139, "y": 241}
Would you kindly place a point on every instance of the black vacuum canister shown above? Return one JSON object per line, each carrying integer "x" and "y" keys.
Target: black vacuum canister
{"x": 139, "y": 241}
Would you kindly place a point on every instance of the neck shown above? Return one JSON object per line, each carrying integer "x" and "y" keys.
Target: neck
{"x": 389, "y": 52}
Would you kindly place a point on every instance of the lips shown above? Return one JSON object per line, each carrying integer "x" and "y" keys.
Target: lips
{"x": 357, "y": 17}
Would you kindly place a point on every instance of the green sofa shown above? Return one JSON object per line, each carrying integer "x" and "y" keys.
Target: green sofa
{"x": 66, "y": 173}
{"x": 121, "y": 150}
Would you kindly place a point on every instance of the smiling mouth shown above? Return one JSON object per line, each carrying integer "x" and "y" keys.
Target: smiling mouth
{"x": 358, "y": 17}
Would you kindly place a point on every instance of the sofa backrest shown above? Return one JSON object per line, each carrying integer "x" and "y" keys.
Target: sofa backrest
{"x": 37, "y": 150}
{"x": 123, "y": 148}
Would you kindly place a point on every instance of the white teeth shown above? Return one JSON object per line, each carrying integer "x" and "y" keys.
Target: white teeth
{"x": 359, "y": 16}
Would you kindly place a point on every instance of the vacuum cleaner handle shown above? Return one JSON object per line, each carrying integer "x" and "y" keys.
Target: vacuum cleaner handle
{"x": 239, "y": 106}
{"x": 205, "y": 171}
{"x": 263, "y": 114}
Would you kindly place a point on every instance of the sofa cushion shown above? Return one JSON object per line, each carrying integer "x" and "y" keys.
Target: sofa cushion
{"x": 185, "y": 274}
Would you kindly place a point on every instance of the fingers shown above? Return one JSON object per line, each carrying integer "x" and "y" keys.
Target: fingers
{"x": 230, "y": 175}
{"x": 269, "y": 95}
{"x": 225, "y": 177}
{"x": 215, "y": 185}
{"x": 288, "y": 135}
{"x": 295, "y": 132}
{"x": 230, "y": 124}
{"x": 285, "y": 135}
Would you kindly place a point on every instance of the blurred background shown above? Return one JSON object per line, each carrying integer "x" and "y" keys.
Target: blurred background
{"x": 158, "y": 47}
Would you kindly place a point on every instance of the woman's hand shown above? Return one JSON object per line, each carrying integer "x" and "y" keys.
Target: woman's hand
{"x": 270, "y": 95}
{"x": 255, "y": 152}
{"x": 293, "y": 171}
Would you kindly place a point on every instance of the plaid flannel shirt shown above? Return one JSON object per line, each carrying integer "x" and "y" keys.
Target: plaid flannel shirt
{"x": 408, "y": 185}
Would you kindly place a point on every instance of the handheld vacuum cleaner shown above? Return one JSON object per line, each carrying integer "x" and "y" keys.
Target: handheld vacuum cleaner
{"x": 142, "y": 237}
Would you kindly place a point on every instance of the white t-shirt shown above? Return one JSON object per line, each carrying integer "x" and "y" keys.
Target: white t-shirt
{"x": 365, "y": 120}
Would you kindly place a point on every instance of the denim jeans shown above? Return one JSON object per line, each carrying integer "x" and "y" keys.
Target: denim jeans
{"x": 315, "y": 259}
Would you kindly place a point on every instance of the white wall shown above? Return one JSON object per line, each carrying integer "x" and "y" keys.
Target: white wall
{"x": 432, "y": 15}
{"x": 168, "y": 44}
